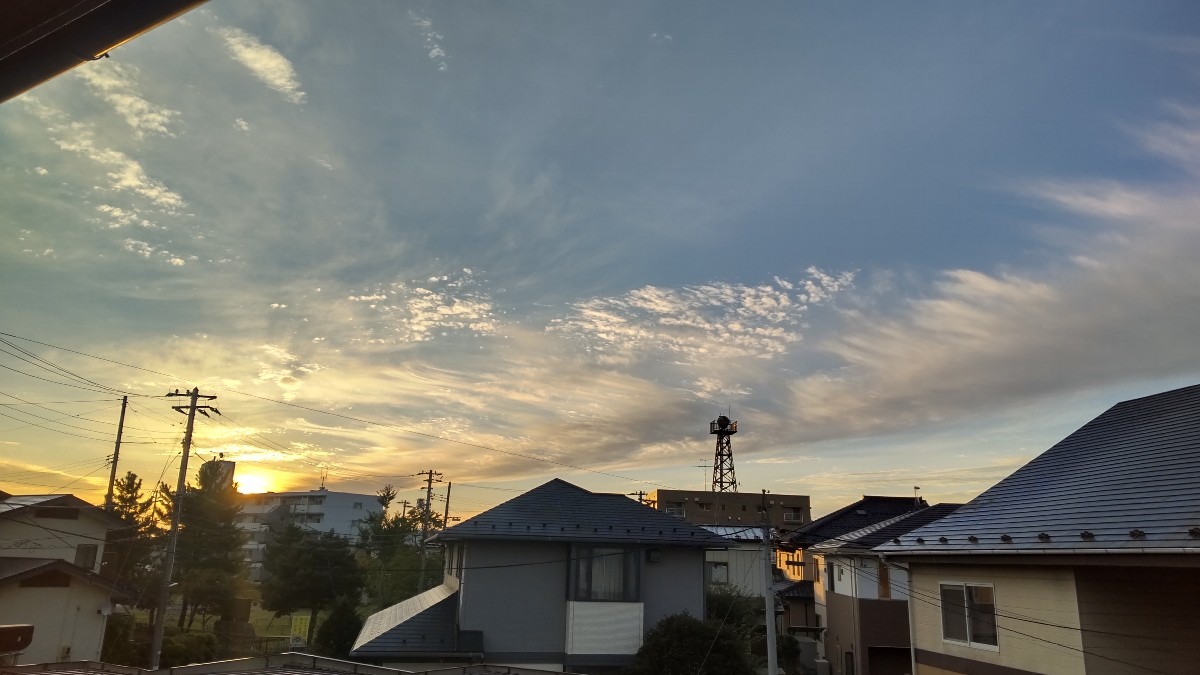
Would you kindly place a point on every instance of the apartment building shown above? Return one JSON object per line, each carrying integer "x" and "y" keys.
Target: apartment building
{"x": 318, "y": 510}
{"x": 702, "y": 507}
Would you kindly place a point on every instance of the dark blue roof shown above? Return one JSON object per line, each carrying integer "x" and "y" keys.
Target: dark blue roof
{"x": 1128, "y": 481}
{"x": 560, "y": 511}
{"x": 863, "y": 513}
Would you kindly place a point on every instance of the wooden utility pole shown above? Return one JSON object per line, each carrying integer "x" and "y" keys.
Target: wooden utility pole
{"x": 426, "y": 514}
{"x": 112, "y": 474}
{"x": 446, "y": 515}
{"x": 164, "y": 591}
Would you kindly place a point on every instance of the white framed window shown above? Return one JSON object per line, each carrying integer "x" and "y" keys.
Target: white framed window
{"x": 969, "y": 614}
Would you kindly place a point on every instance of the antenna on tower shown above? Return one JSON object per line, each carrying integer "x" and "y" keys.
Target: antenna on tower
{"x": 324, "y": 475}
{"x": 723, "y": 476}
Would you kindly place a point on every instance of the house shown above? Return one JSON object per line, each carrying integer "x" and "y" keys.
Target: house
{"x": 702, "y": 507}
{"x": 806, "y": 601}
{"x": 556, "y": 578}
{"x": 866, "y": 599}
{"x": 1085, "y": 560}
{"x": 317, "y": 510}
{"x": 740, "y": 565}
{"x": 49, "y": 575}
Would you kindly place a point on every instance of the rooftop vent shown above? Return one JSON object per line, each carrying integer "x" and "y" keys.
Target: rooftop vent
{"x": 1137, "y": 534}
{"x": 1006, "y": 539}
{"x": 896, "y": 540}
{"x": 920, "y": 540}
{"x": 973, "y": 539}
{"x": 1043, "y": 537}
{"x": 943, "y": 540}
{"x": 1087, "y": 536}
{"x": 1194, "y": 532}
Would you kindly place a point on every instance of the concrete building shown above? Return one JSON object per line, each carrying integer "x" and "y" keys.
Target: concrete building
{"x": 316, "y": 510}
{"x": 702, "y": 507}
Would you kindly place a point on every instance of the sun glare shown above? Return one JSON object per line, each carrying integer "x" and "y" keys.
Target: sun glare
{"x": 252, "y": 483}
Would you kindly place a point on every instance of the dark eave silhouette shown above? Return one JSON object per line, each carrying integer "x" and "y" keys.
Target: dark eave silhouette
{"x": 41, "y": 39}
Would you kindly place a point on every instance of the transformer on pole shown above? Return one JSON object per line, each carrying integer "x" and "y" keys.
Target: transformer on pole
{"x": 723, "y": 477}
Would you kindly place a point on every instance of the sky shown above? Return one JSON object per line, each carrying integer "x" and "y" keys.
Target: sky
{"x": 902, "y": 245}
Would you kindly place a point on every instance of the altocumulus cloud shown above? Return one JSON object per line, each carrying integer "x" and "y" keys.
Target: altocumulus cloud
{"x": 264, "y": 62}
{"x": 717, "y": 319}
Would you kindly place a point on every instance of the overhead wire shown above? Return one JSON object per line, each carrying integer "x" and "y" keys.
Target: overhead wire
{"x": 360, "y": 420}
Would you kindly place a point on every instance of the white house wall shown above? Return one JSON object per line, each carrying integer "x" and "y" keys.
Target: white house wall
{"x": 72, "y": 617}
{"x": 25, "y": 536}
{"x": 745, "y": 567}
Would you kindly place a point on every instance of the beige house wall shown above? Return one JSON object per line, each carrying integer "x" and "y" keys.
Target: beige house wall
{"x": 1027, "y": 599}
{"x": 26, "y": 536}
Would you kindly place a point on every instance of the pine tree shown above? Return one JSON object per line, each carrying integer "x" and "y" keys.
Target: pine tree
{"x": 132, "y": 553}
{"x": 209, "y": 563}
{"x": 306, "y": 570}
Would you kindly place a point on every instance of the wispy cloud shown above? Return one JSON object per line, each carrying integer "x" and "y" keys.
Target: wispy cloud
{"x": 117, "y": 85}
{"x": 1112, "y": 308}
{"x": 264, "y": 62}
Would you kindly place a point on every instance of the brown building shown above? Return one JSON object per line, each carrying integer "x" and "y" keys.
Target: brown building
{"x": 701, "y": 507}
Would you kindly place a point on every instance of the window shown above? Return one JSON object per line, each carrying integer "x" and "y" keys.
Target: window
{"x": 718, "y": 572}
{"x": 85, "y": 555}
{"x": 969, "y": 614}
{"x": 604, "y": 573}
{"x": 57, "y": 512}
{"x": 316, "y": 501}
{"x": 705, "y": 506}
{"x": 51, "y": 579}
{"x": 358, "y": 506}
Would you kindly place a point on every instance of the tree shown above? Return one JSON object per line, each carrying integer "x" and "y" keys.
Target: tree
{"x": 391, "y": 550}
{"x": 304, "y": 569}
{"x": 683, "y": 645}
{"x": 132, "y": 552}
{"x": 208, "y": 557}
{"x": 339, "y": 630}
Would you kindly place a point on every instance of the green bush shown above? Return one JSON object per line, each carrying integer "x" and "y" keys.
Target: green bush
{"x": 683, "y": 645}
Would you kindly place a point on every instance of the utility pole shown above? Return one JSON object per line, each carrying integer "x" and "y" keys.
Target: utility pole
{"x": 640, "y": 494}
{"x": 768, "y": 593}
{"x": 446, "y": 515}
{"x": 112, "y": 474}
{"x": 426, "y": 514}
{"x": 164, "y": 591}
{"x": 404, "y": 504}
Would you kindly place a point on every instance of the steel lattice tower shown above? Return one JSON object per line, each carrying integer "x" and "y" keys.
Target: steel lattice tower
{"x": 723, "y": 477}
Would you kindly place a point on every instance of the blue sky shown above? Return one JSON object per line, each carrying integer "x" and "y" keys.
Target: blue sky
{"x": 902, "y": 245}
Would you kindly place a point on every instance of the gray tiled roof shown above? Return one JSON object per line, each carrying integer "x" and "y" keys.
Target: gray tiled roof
{"x": 1128, "y": 481}
{"x": 886, "y": 530}
{"x": 422, "y": 624}
{"x": 869, "y": 510}
{"x": 560, "y": 511}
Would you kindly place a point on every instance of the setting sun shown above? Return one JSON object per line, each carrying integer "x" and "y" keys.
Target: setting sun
{"x": 253, "y": 483}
